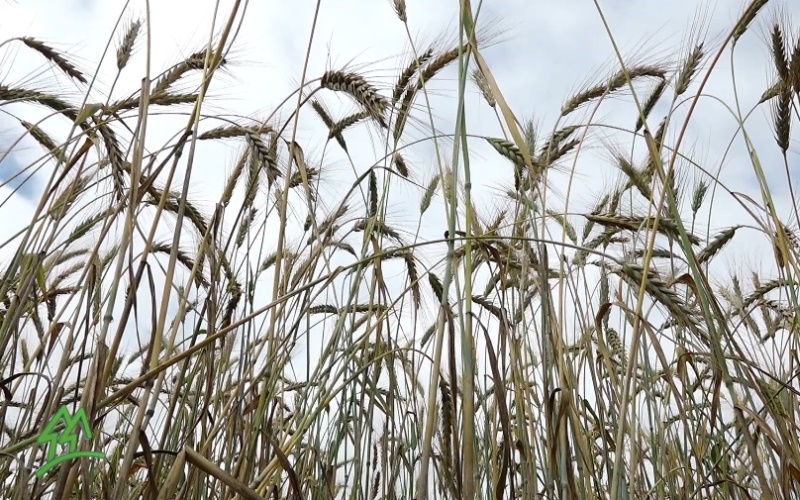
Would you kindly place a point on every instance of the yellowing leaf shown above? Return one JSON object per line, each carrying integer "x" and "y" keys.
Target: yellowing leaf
{"x": 89, "y": 109}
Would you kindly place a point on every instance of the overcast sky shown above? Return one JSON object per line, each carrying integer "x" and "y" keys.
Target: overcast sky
{"x": 540, "y": 52}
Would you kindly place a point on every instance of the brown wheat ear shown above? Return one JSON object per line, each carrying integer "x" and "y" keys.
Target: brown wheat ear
{"x": 359, "y": 89}
{"x": 125, "y": 49}
{"x": 55, "y": 57}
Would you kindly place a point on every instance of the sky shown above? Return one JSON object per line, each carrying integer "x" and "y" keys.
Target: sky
{"x": 540, "y": 53}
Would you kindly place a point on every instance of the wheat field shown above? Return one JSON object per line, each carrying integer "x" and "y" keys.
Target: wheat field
{"x": 354, "y": 293}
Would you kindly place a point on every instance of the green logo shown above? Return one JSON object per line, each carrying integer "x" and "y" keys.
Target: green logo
{"x": 68, "y": 437}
